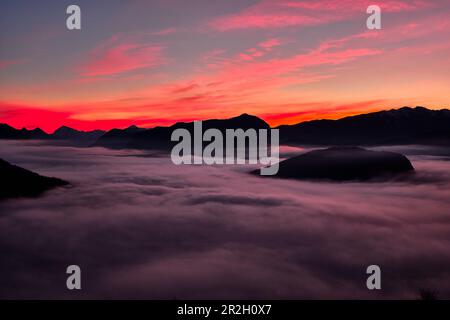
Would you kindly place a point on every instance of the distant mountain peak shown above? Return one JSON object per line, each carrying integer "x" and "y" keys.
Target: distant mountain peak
{"x": 66, "y": 133}
{"x": 67, "y": 127}
{"x": 133, "y": 127}
{"x": 246, "y": 116}
{"x": 64, "y": 129}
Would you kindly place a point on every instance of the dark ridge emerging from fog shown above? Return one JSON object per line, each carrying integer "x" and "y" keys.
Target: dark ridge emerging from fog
{"x": 160, "y": 137}
{"x": 8, "y": 132}
{"x": 398, "y": 126}
{"x": 117, "y": 138}
{"x": 67, "y": 133}
{"x": 345, "y": 164}
{"x": 403, "y": 126}
{"x": 394, "y": 127}
{"x": 63, "y": 133}
{"x": 18, "y": 182}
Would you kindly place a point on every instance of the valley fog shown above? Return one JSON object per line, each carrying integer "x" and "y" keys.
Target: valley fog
{"x": 141, "y": 227}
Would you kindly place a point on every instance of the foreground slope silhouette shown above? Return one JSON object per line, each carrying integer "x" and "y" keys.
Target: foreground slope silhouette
{"x": 19, "y": 182}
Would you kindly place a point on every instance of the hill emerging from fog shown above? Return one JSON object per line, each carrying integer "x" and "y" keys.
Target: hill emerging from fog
{"x": 344, "y": 164}
{"x": 19, "y": 182}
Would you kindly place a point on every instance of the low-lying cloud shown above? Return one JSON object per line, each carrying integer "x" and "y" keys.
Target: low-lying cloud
{"x": 140, "y": 227}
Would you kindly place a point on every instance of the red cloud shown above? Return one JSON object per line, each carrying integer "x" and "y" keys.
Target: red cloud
{"x": 115, "y": 58}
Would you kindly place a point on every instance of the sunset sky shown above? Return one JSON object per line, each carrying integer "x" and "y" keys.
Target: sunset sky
{"x": 157, "y": 62}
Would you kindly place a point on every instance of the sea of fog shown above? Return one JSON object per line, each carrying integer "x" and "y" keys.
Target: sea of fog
{"x": 141, "y": 227}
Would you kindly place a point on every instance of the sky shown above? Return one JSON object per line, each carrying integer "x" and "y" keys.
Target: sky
{"x": 157, "y": 62}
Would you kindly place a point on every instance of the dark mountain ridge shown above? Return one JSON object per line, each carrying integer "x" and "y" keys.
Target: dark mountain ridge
{"x": 160, "y": 137}
{"x": 397, "y": 126}
{"x": 63, "y": 133}
{"x": 8, "y": 132}
{"x": 67, "y": 133}
{"x": 406, "y": 125}
{"x": 117, "y": 138}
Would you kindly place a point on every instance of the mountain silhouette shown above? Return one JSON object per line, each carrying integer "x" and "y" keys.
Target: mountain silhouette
{"x": 67, "y": 133}
{"x": 117, "y": 138}
{"x": 398, "y": 126}
{"x": 18, "y": 182}
{"x": 8, "y": 132}
{"x": 61, "y": 134}
{"x": 344, "y": 164}
{"x": 160, "y": 137}
{"x": 406, "y": 125}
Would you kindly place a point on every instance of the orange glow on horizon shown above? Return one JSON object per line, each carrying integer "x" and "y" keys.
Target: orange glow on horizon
{"x": 286, "y": 62}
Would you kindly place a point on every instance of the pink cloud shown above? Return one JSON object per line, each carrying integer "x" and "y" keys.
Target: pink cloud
{"x": 270, "y": 43}
{"x": 245, "y": 57}
{"x": 255, "y": 53}
{"x": 357, "y": 5}
{"x": 278, "y": 14}
{"x": 165, "y": 32}
{"x": 214, "y": 58}
{"x": 242, "y": 21}
{"x": 425, "y": 27}
{"x": 213, "y": 54}
{"x": 114, "y": 57}
{"x": 275, "y": 67}
{"x": 238, "y": 81}
{"x": 182, "y": 88}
